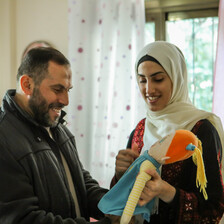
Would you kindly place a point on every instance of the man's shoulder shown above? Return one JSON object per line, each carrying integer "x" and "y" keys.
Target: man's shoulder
{"x": 17, "y": 138}
{"x": 3, "y": 119}
{"x": 1, "y": 113}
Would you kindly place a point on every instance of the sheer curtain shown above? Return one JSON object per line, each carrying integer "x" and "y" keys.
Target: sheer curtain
{"x": 105, "y": 104}
{"x": 218, "y": 91}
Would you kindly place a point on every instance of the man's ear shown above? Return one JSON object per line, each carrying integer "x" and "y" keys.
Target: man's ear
{"x": 26, "y": 84}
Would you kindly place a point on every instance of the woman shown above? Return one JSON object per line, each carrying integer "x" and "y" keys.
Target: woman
{"x": 162, "y": 79}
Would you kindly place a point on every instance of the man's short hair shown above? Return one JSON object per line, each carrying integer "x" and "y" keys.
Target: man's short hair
{"x": 35, "y": 63}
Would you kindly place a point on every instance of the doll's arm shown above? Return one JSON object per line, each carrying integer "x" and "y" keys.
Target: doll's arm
{"x": 135, "y": 194}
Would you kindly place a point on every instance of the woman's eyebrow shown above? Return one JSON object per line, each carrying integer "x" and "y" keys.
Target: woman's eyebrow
{"x": 141, "y": 75}
{"x": 153, "y": 74}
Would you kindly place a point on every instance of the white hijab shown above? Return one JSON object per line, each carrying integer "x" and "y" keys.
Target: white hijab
{"x": 180, "y": 113}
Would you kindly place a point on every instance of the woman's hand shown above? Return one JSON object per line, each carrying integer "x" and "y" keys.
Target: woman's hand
{"x": 156, "y": 187}
{"x": 124, "y": 159}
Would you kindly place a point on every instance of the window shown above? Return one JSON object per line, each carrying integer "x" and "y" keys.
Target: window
{"x": 193, "y": 26}
{"x": 149, "y": 32}
{"x": 197, "y": 39}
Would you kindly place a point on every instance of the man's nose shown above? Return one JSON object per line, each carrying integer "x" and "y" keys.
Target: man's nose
{"x": 64, "y": 99}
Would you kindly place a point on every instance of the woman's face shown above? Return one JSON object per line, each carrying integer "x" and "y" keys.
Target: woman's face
{"x": 155, "y": 85}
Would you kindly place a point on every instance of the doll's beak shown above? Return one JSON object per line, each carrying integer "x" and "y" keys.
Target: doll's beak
{"x": 163, "y": 159}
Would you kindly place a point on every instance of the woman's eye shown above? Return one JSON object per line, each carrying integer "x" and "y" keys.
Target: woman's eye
{"x": 142, "y": 81}
{"x": 159, "y": 80}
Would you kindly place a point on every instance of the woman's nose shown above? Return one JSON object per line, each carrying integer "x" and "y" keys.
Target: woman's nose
{"x": 150, "y": 88}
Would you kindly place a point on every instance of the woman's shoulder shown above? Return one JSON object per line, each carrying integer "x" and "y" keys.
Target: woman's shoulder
{"x": 203, "y": 125}
{"x": 207, "y": 133}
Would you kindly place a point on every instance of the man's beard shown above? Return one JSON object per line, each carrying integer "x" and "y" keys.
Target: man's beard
{"x": 40, "y": 109}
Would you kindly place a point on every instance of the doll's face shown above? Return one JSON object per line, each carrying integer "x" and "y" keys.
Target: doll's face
{"x": 159, "y": 149}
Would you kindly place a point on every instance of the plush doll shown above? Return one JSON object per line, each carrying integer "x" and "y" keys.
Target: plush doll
{"x": 122, "y": 199}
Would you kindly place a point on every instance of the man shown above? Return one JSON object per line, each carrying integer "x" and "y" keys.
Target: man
{"x": 42, "y": 179}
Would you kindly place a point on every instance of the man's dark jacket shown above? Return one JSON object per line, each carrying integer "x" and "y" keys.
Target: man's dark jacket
{"x": 33, "y": 183}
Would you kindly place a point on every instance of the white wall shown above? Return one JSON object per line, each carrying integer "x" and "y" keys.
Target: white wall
{"x": 23, "y": 21}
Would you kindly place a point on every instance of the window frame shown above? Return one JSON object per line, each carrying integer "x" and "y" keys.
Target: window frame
{"x": 160, "y": 11}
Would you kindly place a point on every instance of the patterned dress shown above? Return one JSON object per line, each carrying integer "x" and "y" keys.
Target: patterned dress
{"x": 189, "y": 205}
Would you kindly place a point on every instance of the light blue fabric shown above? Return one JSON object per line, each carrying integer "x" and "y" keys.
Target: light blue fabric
{"x": 115, "y": 200}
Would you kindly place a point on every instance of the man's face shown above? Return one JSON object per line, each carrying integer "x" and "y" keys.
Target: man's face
{"x": 48, "y": 98}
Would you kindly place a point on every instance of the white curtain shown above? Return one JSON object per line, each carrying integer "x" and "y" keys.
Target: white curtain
{"x": 105, "y": 103}
{"x": 218, "y": 90}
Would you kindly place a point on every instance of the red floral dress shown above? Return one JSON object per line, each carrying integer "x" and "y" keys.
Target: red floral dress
{"x": 189, "y": 205}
